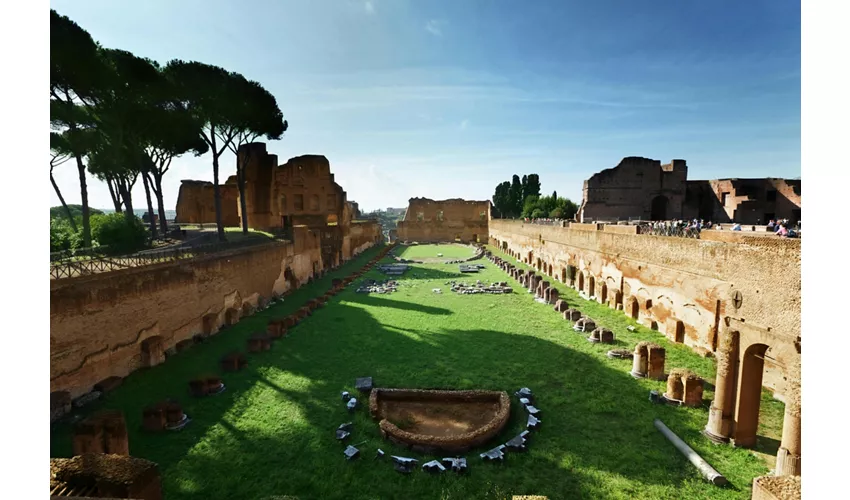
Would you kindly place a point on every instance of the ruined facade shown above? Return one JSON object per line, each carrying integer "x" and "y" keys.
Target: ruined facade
{"x": 110, "y": 324}
{"x": 300, "y": 192}
{"x": 641, "y": 188}
{"x": 712, "y": 294}
{"x": 445, "y": 220}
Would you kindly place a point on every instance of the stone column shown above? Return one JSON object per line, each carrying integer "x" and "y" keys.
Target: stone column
{"x": 788, "y": 457}
{"x": 721, "y": 415}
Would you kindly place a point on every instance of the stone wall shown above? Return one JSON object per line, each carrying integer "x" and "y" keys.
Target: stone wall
{"x": 100, "y": 325}
{"x": 361, "y": 236}
{"x": 686, "y": 288}
{"x": 429, "y": 220}
{"x": 196, "y": 203}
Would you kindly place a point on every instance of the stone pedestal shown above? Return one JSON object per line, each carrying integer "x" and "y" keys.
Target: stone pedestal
{"x": 655, "y": 363}
{"x": 553, "y": 296}
{"x": 721, "y": 420}
{"x": 675, "y": 386}
{"x": 693, "y": 390}
{"x": 103, "y": 432}
{"x": 259, "y": 342}
{"x": 788, "y": 457}
{"x": 153, "y": 351}
{"x": 153, "y": 418}
{"x": 561, "y": 305}
{"x": 274, "y": 329}
{"x": 233, "y": 362}
{"x": 572, "y": 315}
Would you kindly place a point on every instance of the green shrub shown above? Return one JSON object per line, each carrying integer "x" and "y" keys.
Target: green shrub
{"x": 117, "y": 233}
{"x": 61, "y": 235}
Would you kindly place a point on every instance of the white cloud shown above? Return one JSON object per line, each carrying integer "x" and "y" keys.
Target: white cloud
{"x": 435, "y": 27}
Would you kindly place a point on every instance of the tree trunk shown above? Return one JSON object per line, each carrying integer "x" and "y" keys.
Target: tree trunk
{"x": 216, "y": 191}
{"x": 150, "y": 205}
{"x": 62, "y": 200}
{"x": 163, "y": 224}
{"x": 128, "y": 199}
{"x": 84, "y": 199}
{"x": 240, "y": 178}
{"x": 116, "y": 201}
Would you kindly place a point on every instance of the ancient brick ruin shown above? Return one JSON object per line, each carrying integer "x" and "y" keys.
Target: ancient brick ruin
{"x": 641, "y": 188}
{"x": 429, "y": 220}
{"x": 711, "y": 294}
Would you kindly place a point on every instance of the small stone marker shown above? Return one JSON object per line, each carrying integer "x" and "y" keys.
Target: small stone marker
{"x": 495, "y": 455}
{"x": 457, "y": 464}
{"x": 532, "y": 410}
{"x": 346, "y": 396}
{"x": 518, "y": 443}
{"x": 533, "y": 422}
{"x": 379, "y": 454}
{"x": 525, "y": 392}
{"x": 352, "y": 404}
{"x": 342, "y": 435}
{"x": 403, "y": 464}
{"x": 434, "y": 467}
{"x": 524, "y": 401}
{"x": 363, "y": 384}
{"x": 351, "y": 453}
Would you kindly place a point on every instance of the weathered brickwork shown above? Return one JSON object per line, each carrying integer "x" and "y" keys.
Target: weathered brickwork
{"x": 687, "y": 289}
{"x": 445, "y": 220}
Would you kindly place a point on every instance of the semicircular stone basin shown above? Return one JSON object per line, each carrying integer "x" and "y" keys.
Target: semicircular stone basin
{"x": 430, "y": 420}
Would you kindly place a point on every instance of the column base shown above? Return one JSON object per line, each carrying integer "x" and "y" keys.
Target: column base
{"x": 714, "y": 437}
{"x": 787, "y": 464}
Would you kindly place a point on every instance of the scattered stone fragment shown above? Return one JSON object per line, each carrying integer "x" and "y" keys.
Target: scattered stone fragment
{"x": 620, "y": 354}
{"x": 346, "y": 396}
{"x": 518, "y": 443}
{"x": 524, "y": 401}
{"x": 533, "y": 422}
{"x": 457, "y": 464}
{"x": 532, "y": 410}
{"x": 525, "y": 392}
{"x": 403, "y": 464}
{"x": 363, "y": 384}
{"x": 630, "y": 328}
{"x": 372, "y": 286}
{"x": 379, "y": 454}
{"x": 654, "y": 397}
{"x": 479, "y": 287}
{"x": 497, "y": 454}
{"x": 434, "y": 467}
{"x": 351, "y": 453}
{"x": 352, "y": 404}
{"x": 342, "y": 435}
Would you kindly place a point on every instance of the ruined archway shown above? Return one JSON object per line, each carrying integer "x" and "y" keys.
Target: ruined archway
{"x": 563, "y": 275}
{"x": 231, "y": 316}
{"x": 208, "y": 324}
{"x": 618, "y": 299}
{"x": 290, "y": 278}
{"x": 678, "y": 331}
{"x": 603, "y": 293}
{"x": 550, "y": 273}
{"x": 580, "y": 281}
{"x": 658, "y": 209}
{"x": 539, "y": 265}
{"x": 749, "y": 395}
{"x": 591, "y": 286}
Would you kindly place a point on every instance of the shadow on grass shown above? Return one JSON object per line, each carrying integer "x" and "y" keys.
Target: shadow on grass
{"x": 380, "y": 301}
{"x": 272, "y": 431}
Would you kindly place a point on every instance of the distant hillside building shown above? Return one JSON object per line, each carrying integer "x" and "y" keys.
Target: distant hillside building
{"x": 641, "y": 188}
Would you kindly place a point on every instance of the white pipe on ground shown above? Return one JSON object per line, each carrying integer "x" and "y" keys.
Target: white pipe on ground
{"x": 707, "y": 470}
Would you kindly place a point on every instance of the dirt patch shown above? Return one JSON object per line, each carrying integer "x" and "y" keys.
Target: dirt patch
{"x": 438, "y": 418}
{"x": 432, "y": 420}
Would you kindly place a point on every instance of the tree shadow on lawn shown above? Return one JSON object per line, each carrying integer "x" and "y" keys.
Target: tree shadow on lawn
{"x": 272, "y": 431}
{"x": 381, "y": 301}
{"x": 596, "y": 420}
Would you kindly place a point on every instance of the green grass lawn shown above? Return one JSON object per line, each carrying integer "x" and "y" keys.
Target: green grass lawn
{"x": 449, "y": 251}
{"x": 272, "y": 431}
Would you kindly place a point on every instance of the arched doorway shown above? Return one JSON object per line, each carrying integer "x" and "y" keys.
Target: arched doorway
{"x": 563, "y": 275}
{"x": 591, "y": 286}
{"x": 208, "y": 324}
{"x": 580, "y": 281}
{"x": 658, "y": 209}
{"x": 679, "y": 332}
{"x": 749, "y": 395}
{"x": 550, "y": 270}
{"x": 603, "y": 294}
{"x": 231, "y": 316}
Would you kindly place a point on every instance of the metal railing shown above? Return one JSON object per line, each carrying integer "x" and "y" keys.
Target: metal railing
{"x": 103, "y": 263}
{"x": 665, "y": 230}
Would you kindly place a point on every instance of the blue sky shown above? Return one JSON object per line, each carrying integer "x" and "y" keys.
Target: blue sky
{"x": 447, "y": 98}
